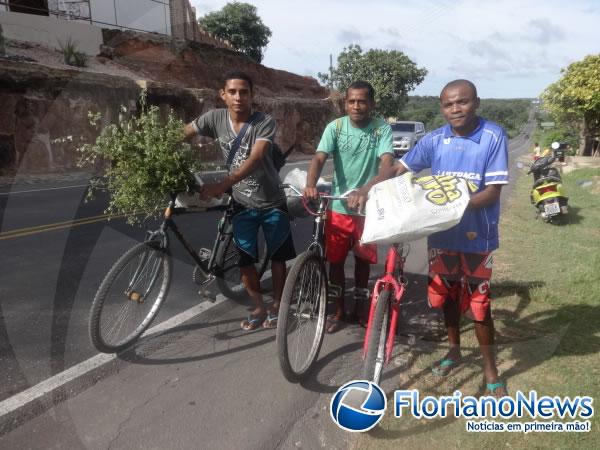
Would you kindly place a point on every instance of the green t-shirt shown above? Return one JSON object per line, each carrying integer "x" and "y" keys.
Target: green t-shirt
{"x": 356, "y": 153}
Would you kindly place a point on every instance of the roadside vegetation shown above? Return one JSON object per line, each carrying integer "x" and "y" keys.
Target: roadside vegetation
{"x": 546, "y": 307}
{"x": 573, "y": 102}
{"x": 239, "y": 24}
{"x": 391, "y": 73}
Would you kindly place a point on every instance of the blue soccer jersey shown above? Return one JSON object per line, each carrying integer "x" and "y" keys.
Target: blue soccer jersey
{"x": 482, "y": 158}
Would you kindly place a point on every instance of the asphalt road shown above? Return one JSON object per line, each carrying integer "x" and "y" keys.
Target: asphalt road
{"x": 201, "y": 384}
{"x": 56, "y": 249}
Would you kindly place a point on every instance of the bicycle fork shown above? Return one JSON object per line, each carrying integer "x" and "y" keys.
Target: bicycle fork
{"x": 388, "y": 283}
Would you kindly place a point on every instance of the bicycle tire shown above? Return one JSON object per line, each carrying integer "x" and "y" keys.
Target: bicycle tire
{"x": 303, "y": 307}
{"x": 229, "y": 277}
{"x": 375, "y": 357}
{"x": 150, "y": 265}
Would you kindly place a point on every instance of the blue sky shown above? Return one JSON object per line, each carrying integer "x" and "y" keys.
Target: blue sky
{"x": 512, "y": 48}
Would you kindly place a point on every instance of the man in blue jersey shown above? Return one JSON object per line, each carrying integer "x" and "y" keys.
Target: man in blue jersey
{"x": 477, "y": 150}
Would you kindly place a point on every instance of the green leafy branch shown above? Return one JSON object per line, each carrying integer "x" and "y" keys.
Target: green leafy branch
{"x": 144, "y": 161}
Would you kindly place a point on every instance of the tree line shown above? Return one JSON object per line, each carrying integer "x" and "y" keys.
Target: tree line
{"x": 512, "y": 114}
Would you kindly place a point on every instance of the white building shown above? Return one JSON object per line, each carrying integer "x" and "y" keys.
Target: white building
{"x": 43, "y": 21}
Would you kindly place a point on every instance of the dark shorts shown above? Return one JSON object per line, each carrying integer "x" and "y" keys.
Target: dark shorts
{"x": 275, "y": 225}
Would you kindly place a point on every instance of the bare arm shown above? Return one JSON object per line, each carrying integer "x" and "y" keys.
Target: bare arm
{"x": 386, "y": 164}
{"x": 189, "y": 131}
{"x": 488, "y": 196}
{"x": 257, "y": 153}
{"x": 314, "y": 171}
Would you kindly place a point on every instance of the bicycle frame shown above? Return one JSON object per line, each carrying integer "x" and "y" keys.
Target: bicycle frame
{"x": 169, "y": 224}
{"x": 393, "y": 281}
{"x": 320, "y": 216}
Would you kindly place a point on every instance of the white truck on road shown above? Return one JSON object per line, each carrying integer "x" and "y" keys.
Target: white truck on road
{"x": 405, "y": 135}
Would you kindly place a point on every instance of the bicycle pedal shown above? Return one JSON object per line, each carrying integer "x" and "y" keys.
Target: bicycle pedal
{"x": 209, "y": 279}
{"x": 209, "y": 296}
{"x": 204, "y": 253}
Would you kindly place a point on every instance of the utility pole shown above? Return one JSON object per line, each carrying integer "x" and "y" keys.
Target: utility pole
{"x": 331, "y": 70}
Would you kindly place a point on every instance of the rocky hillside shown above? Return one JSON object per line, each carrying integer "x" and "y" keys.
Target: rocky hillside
{"x": 43, "y": 99}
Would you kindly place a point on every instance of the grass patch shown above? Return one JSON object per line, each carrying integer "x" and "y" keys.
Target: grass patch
{"x": 546, "y": 308}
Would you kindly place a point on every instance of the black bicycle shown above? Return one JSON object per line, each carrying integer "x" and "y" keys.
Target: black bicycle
{"x": 302, "y": 312}
{"x": 135, "y": 287}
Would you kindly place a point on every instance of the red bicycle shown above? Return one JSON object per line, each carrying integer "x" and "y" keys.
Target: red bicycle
{"x": 384, "y": 313}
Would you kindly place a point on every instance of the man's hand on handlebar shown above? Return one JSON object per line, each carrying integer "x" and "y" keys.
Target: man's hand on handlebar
{"x": 211, "y": 190}
{"x": 311, "y": 193}
{"x": 357, "y": 200}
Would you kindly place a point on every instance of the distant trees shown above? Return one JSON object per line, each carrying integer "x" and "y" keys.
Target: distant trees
{"x": 574, "y": 100}
{"x": 240, "y": 25}
{"x": 512, "y": 114}
{"x": 391, "y": 72}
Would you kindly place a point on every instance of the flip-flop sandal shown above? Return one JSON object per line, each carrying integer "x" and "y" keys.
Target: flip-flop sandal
{"x": 270, "y": 321}
{"x": 444, "y": 367}
{"x": 333, "y": 325}
{"x": 252, "y": 322}
{"x": 493, "y": 387}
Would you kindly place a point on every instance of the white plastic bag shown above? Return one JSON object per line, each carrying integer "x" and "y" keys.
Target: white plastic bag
{"x": 405, "y": 208}
{"x": 192, "y": 199}
{"x": 297, "y": 178}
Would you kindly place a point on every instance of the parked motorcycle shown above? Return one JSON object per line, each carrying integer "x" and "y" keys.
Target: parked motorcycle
{"x": 547, "y": 193}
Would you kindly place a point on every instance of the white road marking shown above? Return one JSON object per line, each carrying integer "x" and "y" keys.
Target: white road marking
{"x": 19, "y": 400}
{"x": 45, "y": 189}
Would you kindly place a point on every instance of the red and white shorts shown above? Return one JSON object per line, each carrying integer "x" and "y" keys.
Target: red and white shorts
{"x": 463, "y": 277}
{"x": 342, "y": 234}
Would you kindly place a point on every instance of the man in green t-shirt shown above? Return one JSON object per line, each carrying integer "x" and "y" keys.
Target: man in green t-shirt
{"x": 361, "y": 147}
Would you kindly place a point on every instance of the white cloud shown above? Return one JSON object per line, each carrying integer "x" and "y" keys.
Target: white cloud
{"x": 509, "y": 49}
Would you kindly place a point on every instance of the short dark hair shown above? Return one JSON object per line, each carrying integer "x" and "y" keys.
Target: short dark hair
{"x": 237, "y": 75}
{"x": 455, "y": 83}
{"x": 360, "y": 84}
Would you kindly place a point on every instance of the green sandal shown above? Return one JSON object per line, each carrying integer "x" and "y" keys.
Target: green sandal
{"x": 493, "y": 387}
{"x": 444, "y": 367}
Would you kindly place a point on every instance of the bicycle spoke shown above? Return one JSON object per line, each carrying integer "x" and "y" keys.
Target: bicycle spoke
{"x": 303, "y": 328}
{"x": 128, "y": 304}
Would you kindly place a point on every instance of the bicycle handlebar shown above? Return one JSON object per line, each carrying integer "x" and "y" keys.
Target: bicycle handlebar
{"x": 297, "y": 193}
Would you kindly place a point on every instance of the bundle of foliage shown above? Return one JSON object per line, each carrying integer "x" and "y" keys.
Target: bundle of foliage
{"x": 145, "y": 160}
{"x": 240, "y": 25}
{"x": 391, "y": 72}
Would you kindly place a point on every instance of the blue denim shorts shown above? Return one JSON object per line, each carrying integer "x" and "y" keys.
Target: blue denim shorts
{"x": 275, "y": 224}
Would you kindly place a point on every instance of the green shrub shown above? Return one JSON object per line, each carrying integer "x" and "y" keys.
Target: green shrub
{"x": 71, "y": 55}
{"x": 145, "y": 160}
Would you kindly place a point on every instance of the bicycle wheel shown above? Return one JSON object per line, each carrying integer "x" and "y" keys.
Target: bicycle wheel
{"x": 129, "y": 297}
{"x": 229, "y": 277}
{"x": 375, "y": 358}
{"x": 301, "y": 320}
